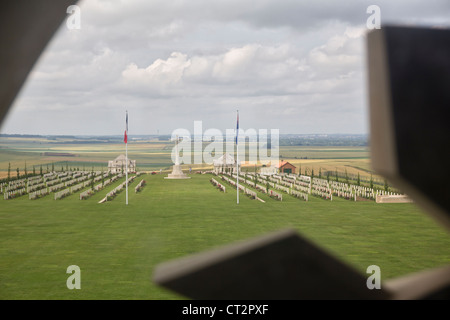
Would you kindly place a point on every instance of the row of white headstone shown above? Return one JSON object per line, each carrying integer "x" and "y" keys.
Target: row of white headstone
{"x": 275, "y": 195}
{"x": 61, "y": 194}
{"x": 110, "y": 195}
{"x": 34, "y": 187}
{"x": 13, "y": 186}
{"x": 287, "y": 184}
{"x": 140, "y": 185}
{"x": 253, "y": 184}
{"x": 301, "y": 188}
{"x": 220, "y": 186}
{"x": 300, "y": 195}
{"x": 72, "y": 189}
{"x": 33, "y": 184}
{"x": 307, "y": 185}
{"x": 323, "y": 195}
{"x": 230, "y": 181}
{"x": 34, "y": 180}
{"x": 303, "y": 184}
{"x": 261, "y": 188}
{"x": 13, "y": 194}
{"x": 341, "y": 189}
{"x": 37, "y": 194}
{"x": 86, "y": 194}
{"x": 282, "y": 188}
{"x": 252, "y": 194}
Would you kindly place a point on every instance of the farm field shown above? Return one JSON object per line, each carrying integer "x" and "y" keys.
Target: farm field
{"x": 117, "y": 247}
{"x": 156, "y": 155}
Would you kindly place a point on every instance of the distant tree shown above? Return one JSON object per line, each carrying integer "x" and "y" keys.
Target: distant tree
{"x": 312, "y": 172}
{"x": 9, "y": 172}
{"x": 34, "y": 171}
{"x": 299, "y": 170}
{"x": 346, "y": 176}
{"x": 53, "y": 167}
{"x": 328, "y": 176}
{"x": 67, "y": 166}
{"x": 337, "y": 177}
{"x": 18, "y": 174}
{"x": 62, "y": 169}
{"x": 26, "y": 172}
{"x": 40, "y": 170}
{"x": 320, "y": 172}
{"x": 386, "y": 186}
{"x": 358, "y": 181}
{"x": 47, "y": 168}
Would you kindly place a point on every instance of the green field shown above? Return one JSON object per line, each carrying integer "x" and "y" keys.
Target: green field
{"x": 117, "y": 247}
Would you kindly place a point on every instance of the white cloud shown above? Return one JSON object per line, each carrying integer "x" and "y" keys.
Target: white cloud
{"x": 285, "y": 63}
{"x": 160, "y": 72}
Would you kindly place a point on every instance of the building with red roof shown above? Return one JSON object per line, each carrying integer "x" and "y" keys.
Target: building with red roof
{"x": 286, "y": 167}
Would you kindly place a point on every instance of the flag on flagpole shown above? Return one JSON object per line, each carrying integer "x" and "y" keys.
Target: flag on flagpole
{"x": 237, "y": 127}
{"x": 125, "y": 139}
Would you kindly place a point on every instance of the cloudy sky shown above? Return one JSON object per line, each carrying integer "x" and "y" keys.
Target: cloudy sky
{"x": 293, "y": 65}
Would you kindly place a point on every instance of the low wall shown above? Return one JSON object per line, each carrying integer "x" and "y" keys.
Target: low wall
{"x": 393, "y": 199}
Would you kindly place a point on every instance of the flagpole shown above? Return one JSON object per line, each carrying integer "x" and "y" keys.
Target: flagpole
{"x": 237, "y": 157}
{"x": 126, "y": 160}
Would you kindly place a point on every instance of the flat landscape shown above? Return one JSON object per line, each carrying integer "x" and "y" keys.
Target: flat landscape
{"x": 117, "y": 246}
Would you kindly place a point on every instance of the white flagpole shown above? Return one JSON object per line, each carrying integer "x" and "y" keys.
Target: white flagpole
{"x": 237, "y": 158}
{"x": 126, "y": 160}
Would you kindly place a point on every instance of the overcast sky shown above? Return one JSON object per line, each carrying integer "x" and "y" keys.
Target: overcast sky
{"x": 297, "y": 66}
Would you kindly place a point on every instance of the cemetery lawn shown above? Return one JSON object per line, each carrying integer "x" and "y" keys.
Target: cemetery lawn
{"x": 117, "y": 247}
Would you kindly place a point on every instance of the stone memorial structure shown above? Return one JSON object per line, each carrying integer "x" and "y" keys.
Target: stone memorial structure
{"x": 118, "y": 165}
{"x": 225, "y": 163}
{"x": 177, "y": 172}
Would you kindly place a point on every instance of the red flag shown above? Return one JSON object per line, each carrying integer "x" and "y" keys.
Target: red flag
{"x": 125, "y": 139}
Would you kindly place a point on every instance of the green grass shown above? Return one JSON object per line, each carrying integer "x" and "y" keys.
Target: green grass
{"x": 117, "y": 247}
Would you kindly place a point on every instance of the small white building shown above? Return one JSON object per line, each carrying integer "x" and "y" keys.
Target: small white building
{"x": 118, "y": 165}
{"x": 224, "y": 163}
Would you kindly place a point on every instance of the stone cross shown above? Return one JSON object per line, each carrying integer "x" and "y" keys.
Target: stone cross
{"x": 409, "y": 99}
